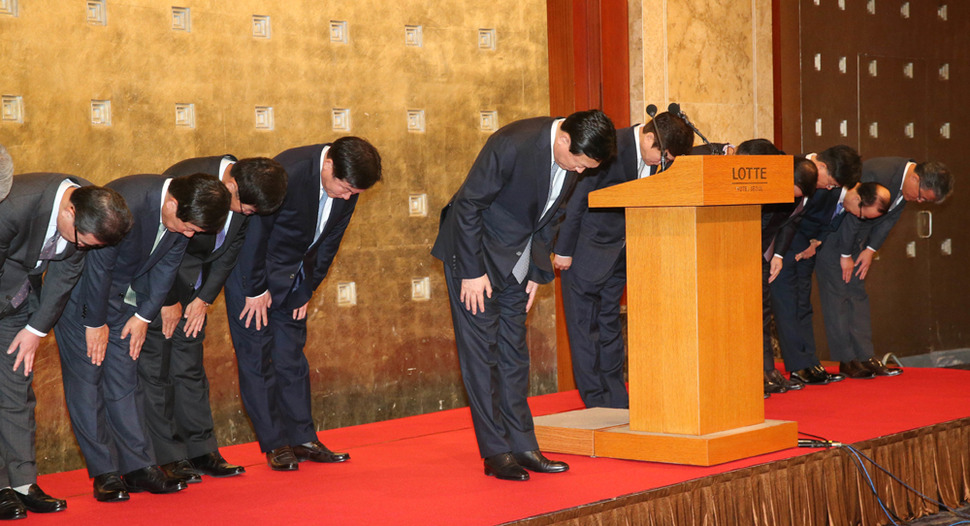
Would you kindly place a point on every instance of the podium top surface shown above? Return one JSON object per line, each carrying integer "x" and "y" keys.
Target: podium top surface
{"x": 706, "y": 180}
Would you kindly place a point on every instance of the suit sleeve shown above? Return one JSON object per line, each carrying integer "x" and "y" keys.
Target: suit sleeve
{"x": 326, "y": 251}
{"x": 159, "y": 280}
{"x": 882, "y": 226}
{"x": 251, "y": 264}
{"x": 785, "y": 234}
{"x": 59, "y": 280}
{"x": 96, "y": 285}
{"x": 485, "y": 180}
{"x": 221, "y": 267}
{"x": 576, "y": 208}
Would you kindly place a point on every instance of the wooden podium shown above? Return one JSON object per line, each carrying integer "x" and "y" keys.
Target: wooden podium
{"x": 694, "y": 318}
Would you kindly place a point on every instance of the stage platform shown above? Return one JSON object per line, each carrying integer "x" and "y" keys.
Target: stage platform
{"x": 425, "y": 470}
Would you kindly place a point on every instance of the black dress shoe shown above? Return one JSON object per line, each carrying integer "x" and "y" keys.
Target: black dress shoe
{"x": 810, "y": 376}
{"x": 318, "y": 452}
{"x": 503, "y": 466}
{"x": 282, "y": 459}
{"x": 535, "y": 461}
{"x": 780, "y": 379}
{"x": 10, "y": 506}
{"x": 854, "y": 369}
{"x": 773, "y": 385}
{"x": 879, "y": 369}
{"x": 182, "y": 469}
{"x": 109, "y": 487}
{"x": 153, "y": 480}
{"x": 214, "y": 465}
{"x": 37, "y": 501}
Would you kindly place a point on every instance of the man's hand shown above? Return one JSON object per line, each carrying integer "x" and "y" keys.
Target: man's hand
{"x": 25, "y": 343}
{"x": 135, "y": 330}
{"x": 847, "y": 265}
{"x": 170, "y": 319}
{"x": 256, "y": 308}
{"x": 530, "y": 288}
{"x": 774, "y": 268}
{"x": 473, "y": 292}
{"x": 562, "y": 262}
{"x": 97, "y": 342}
{"x": 808, "y": 252}
{"x": 863, "y": 262}
{"x": 194, "y": 317}
{"x": 299, "y": 314}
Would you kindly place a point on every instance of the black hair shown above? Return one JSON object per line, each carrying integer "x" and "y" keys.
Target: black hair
{"x": 202, "y": 200}
{"x": 869, "y": 196}
{"x": 591, "y": 133}
{"x": 843, "y": 163}
{"x": 675, "y": 136}
{"x": 758, "y": 147}
{"x": 101, "y": 212}
{"x": 355, "y": 161}
{"x": 261, "y": 182}
{"x": 806, "y": 176}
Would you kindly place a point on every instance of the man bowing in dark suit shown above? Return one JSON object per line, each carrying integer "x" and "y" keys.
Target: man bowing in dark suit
{"x": 172, "y": 385}
{"x": 103, "y": 328}
{"x": 284, "y": 259}
{"x": 591, "y": 253}
{"x": 843, "y": 264}
{"x": 46, "y": 223}
{"x": 493, "y": 239}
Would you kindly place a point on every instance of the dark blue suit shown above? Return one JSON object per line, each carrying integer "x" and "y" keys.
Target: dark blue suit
{"x": 172, "y": 382}
{"x": 101, "y": 400}
{"x": 791, "y": 291}
{"x": 280, "y": 256}
{"x": 779, "y": 222}
{"x": 484, "y": 230}
{"x": 594, "y": 283}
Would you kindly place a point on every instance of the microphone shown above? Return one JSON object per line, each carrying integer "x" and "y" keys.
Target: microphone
{"x": 675, "y": 109}
{"x": 652, "y": 112}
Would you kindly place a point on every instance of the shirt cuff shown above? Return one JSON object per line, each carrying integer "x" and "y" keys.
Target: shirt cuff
{"x": 35, "y": 331}
{"x": 259, "y": 295}
{"x": 142, "y": 319}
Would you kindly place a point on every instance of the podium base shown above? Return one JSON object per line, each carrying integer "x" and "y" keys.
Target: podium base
{"x": 604, "y": 432}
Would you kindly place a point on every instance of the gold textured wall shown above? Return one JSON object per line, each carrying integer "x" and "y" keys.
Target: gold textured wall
{"x": 713, "y": 57}
{"x": 387, "y": 356}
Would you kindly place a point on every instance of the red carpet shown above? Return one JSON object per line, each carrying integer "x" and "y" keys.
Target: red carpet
{"x": 425, "y": 469}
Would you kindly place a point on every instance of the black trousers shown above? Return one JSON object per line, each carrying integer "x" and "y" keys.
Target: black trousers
{"x": 494, "y": 362}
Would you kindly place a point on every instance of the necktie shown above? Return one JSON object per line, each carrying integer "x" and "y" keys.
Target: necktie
{"x": 838, "y": 210}
{"x": 320, "y": 219}
{"x": 521, "y": 268}
{"x": 46, "y": 252}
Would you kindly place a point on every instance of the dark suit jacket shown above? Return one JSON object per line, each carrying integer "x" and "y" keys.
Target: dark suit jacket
{"x": 779, "y": 224}
{"x": 595, "y": 237}
{"x": 200, "y": 254}
{"x": 489, "y": 221}
{"x": 24, "y": 217}
{"x": 856, "y": 234}
{"x": 277, "y": 244}
{"x": 818, "y": 220}
{"x": 111, "y": 270}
